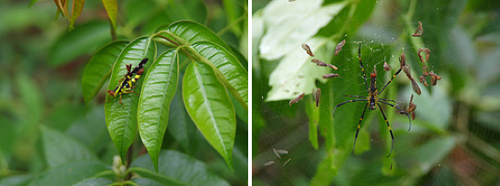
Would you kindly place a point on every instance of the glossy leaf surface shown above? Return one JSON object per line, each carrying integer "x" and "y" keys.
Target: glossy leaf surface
{"x": 190, "y": 32}
{"x": 234, "y": 73}
{"x": 121, "y": 119}
{"x": 180, "y": 125}
{"x": 158, "y": 90}
{"x": 209, "y": 106}
{"x": 98, "y": 69}
{"x": 209, "y": 48}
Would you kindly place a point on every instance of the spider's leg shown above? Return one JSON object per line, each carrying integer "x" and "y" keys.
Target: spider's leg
{"x": 392, "y": 78}
{"x": 383, "y": 99}
{"x": 388, "y": 126}
{"x": 359, "y": 126}
{"x": 340, "y": 104}
{"x": 353, "y": 96}
{"x": 401, "y": 110}
{"x": 362, "y": 68}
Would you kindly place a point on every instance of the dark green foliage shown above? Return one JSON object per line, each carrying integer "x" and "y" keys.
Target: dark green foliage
{"x": 56, "y": 131}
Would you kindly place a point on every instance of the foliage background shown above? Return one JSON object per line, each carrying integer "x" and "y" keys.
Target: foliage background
{"x": 454, "y": 139}
{"x": 41, "y": 102}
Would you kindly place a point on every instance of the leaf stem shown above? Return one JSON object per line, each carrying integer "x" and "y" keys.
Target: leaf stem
{"x": 231, "y": 25}
{"x": 168, "y": 39}
{"x": 113, "y": 31}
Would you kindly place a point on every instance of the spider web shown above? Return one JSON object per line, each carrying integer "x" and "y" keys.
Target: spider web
{"x": 434, "y": 152}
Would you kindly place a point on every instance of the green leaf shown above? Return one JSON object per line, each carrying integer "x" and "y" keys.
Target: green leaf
{"x": 313, "y": 115}
{"x": 434, "y": 107}
{"x": 233, "y": 11}
{"x": 17, "y": 180}
{"x": 32, "y": 2}
{"x": 158, "y": 90}
{"x": 60, "y": 149}
{"x": 177, "y": 167}
{"x": 84, "y": 40}
{"x": 7, "y": 136}
{"x": 325, "y": 172}
{"x": 136, "y": 12}
{"x": 70, "y": 173}
{"x": 213, "y": 51}
{"x": 76, "y": 11}
{"x": 325, "y": 120}
{"x": 121, "y": 119}
{"x": 91, "y": 130}
{"x": 156, "y": 177}
{"x": 209, "y": 106}
{"x": 112, "y": 10}
{"x": 189, "y": 32}
{"x": 439, "y": 146}
{"x": 146, "y": 181}
{"x": 94, "y": 181}
{"x": 98, "y": 69}
{"x": 180, "y": 125}
{"x": 241, "y": 57}
{"x": 234, "y": 73}
{"x": 183, "y": 10}
{"x": 356, "y": 14}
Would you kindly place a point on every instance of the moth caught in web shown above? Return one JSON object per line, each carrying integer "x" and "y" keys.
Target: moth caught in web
{"x": 373, "y": 101}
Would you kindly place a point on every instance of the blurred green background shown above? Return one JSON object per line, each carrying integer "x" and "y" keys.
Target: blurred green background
{"x": 454, "y": 138}
{"x": 41, "y": 102}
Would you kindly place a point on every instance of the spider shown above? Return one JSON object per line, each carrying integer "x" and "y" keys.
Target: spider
{"x": 373, "y": 101}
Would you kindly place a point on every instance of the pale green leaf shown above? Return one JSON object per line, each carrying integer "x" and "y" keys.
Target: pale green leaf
{"x": 209, "y": 106}
{"x": 158, "y": 90}
{"x": 112, "y": 10}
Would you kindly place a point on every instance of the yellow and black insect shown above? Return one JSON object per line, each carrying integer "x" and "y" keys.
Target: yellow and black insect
{"x": 125, "y": 85}
{"x": 373, "y": 100}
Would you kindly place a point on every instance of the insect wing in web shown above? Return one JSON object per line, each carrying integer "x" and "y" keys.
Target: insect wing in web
{"x": 372, "y": 101}
{"x": 316, "y": 94}
{"x": 419, "y": 31}
{"x": 297, "y": 99}
{"x": 326, "y": 76}
{"x": 414, "y": 84}
{"x": 339, "y": 46}
{"x": 387, "y": 67}
{"x": 307, "y": 49}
